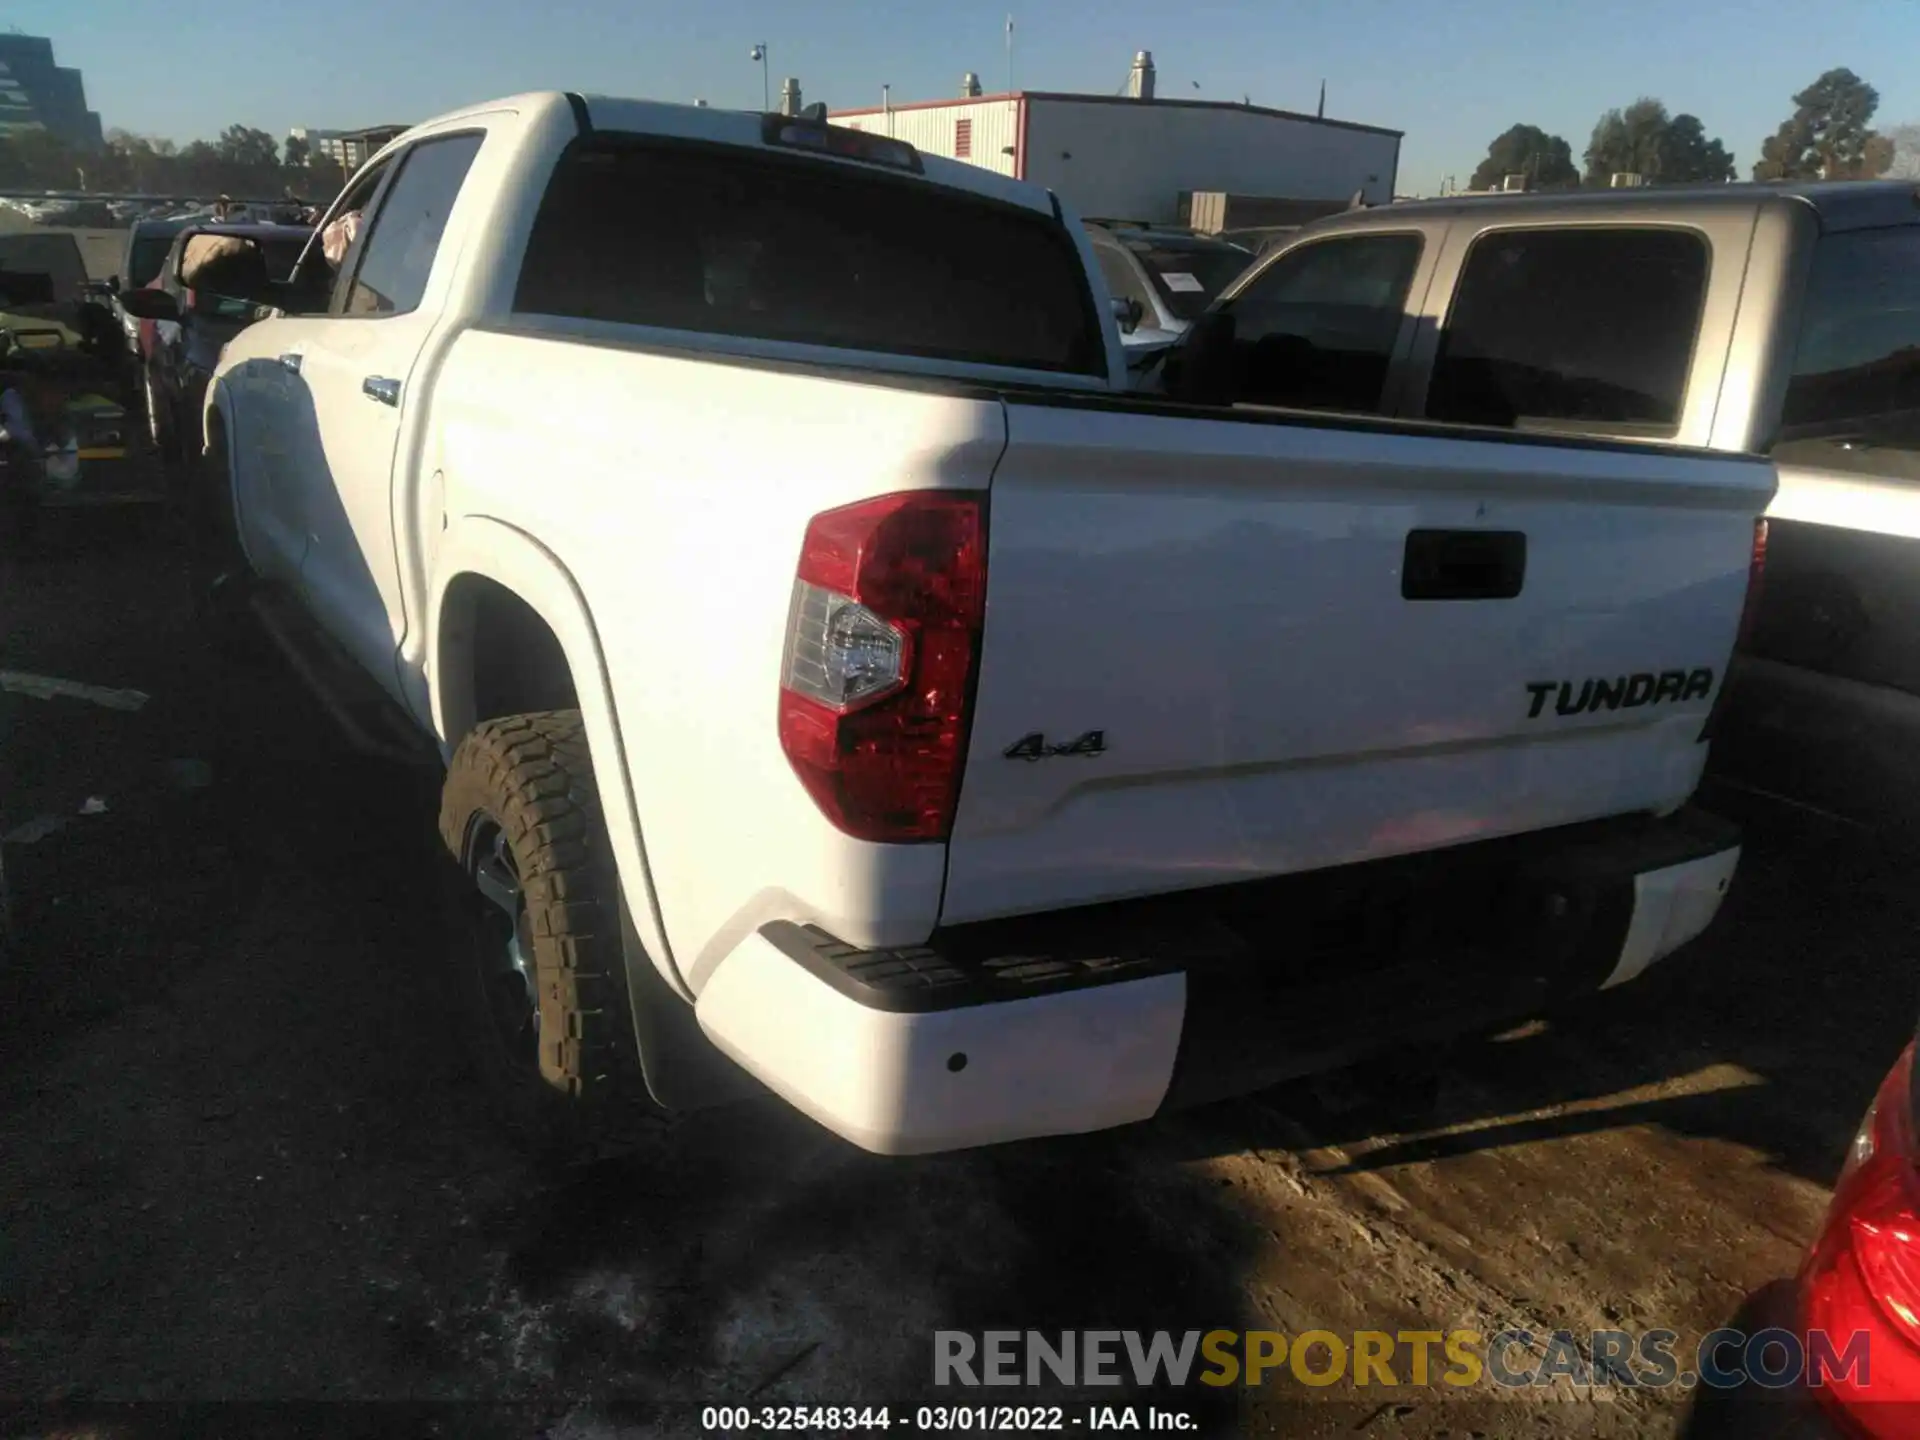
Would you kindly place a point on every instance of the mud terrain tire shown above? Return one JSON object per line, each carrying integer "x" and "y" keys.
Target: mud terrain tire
{"x": 536, "y": 904}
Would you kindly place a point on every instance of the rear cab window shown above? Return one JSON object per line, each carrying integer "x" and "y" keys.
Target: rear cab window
{"x": 763, "y": 246}
{"x": 1577, "y": 330}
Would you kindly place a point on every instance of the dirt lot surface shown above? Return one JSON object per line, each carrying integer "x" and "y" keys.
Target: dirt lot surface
{"x": 241, "y": 1160}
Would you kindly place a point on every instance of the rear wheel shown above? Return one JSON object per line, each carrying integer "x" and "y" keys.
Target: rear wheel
{"x": 538, "y": 963}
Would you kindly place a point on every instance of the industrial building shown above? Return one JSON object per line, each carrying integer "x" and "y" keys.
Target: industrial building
{"x": 1139, "y": 157}
{"x": 349, "y": 149}
{"x": 36, "y": 94}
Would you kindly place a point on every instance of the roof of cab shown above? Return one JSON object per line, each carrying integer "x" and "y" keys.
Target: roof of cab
{"x": 731, "y": 127}
{"x": 1839, "y": 204}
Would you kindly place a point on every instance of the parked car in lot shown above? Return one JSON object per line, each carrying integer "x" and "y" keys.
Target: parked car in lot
{"x": 178, "y": 356}
{"x": 1852, "y": 1314}
{"x": 1162, "y": 279}
{"x": 1782, "y": 319}
{"x": 843, "y": 682}
{"x": 142, "y": 261}
{"x": 50, "y": 325}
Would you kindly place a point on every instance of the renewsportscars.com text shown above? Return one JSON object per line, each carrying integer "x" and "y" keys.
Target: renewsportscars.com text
{"x": 1647, "y": 1359}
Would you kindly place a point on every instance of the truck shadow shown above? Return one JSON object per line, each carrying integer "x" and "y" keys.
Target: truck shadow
{"x": 1772, "y": 1031}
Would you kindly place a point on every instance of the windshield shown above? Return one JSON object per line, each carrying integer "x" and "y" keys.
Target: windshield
{"x": 1190, "y": 277}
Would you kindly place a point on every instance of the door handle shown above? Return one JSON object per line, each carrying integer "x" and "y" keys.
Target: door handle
{"x": 291, "y": 362}
{"x": 1463, "y": 565}
{"x": 378, "y": 387}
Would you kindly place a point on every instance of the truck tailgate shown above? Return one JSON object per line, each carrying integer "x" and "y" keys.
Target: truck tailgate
{"x": 1217, "y": 649}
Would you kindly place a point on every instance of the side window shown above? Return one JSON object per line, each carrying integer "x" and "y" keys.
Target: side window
{"x": 396, "y": 255}
{"x": 1317, "y": 328}
{"x": 326, "y": 256}
{"x": 1122, "y": 280}
{"x": 1856, "y": 370}
{"x": 1581, "y": 330}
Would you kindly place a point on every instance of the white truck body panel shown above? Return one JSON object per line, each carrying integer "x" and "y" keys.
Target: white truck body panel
{"x": 677, "y": 503}
{"x": 1269, "y": 701}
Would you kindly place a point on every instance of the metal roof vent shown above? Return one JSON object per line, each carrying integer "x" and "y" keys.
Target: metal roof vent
{"x": 969, "y": 86}
{"x": 1140, "y": 78}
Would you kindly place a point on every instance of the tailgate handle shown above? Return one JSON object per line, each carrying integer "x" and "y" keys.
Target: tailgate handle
{"x": 1463, "y": 565}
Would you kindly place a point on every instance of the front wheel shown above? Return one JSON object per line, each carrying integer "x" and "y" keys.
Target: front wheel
{"x": 538, "y": 964}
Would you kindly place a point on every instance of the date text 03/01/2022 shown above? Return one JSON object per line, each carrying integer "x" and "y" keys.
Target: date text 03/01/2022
{"x": 977, "y": 1419}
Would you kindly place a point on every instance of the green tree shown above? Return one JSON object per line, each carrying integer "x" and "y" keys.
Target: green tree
{"x": 1627, "y": 141}
{"x": 243, "y": 146}
{"x": 1546, "y": 160}
{"x": 297, "y": 152}
{"x": 1829, "y": 134}
{"x": 1686, "y": 156}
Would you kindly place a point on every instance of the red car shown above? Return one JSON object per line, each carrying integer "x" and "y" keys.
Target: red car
{"x": 1861, "y": 1278}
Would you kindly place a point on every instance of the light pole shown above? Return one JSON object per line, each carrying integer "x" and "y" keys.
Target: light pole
{"x": 759, "y": 52}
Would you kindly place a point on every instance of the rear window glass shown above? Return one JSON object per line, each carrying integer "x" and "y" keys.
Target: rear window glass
{"x": 1190, "y": 278}
{"x": 1585, "y": 330}
{"x": 1858, "y": 358}
{"x": 731, "y": 242}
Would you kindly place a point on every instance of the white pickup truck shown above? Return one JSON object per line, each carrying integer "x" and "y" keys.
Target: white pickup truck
{"x": 842, "y": 680}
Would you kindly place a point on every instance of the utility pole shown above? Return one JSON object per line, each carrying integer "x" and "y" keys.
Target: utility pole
{"x": 759, "y": 52}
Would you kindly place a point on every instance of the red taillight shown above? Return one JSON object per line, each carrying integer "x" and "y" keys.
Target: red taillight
{"x": 882, "y": 640}
{"x": 1863, "y": 1275}
{"x": 1749, "y": 612}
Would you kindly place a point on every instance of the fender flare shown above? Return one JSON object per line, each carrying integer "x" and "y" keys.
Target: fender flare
{"x": 493, "y": 550}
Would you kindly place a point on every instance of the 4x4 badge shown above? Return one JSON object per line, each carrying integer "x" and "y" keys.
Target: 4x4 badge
{"x": 1035, "y": 746}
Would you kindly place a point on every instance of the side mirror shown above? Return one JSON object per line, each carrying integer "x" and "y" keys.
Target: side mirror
{"x": 150, "y": 305}
{"x": 231, "y": 266}
{"x": 1127, "y": 311}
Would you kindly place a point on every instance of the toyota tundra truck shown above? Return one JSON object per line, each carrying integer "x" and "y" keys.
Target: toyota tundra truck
{"x": 847, "y": 687}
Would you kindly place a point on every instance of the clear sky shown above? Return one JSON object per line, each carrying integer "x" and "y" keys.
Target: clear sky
{"x": 1451, "y": 73}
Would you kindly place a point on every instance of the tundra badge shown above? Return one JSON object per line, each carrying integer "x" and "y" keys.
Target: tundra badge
{"x": 1619, "y": 692}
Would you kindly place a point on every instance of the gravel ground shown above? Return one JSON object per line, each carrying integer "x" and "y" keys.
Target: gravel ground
{"x": 240, "y": 1160}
